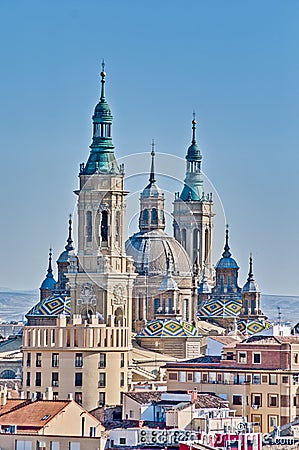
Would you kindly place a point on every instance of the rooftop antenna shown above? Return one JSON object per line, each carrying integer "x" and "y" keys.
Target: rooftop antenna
{"x": 279, "y": 315}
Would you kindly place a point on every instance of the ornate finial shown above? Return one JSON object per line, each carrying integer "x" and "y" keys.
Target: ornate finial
{"x": 226, "y": 253}
{"x": 194, "y": 129}
{"x": 152, "y": 178}
{"x": 103, "y": 74}
{"x": 69, "y": 245}
{"x": 250, "y": 273}
{"x": 50, "y": 271}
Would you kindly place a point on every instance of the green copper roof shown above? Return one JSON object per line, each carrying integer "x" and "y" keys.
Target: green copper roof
{"x": 101, "y": 158}
{"x": 193, "y": 183}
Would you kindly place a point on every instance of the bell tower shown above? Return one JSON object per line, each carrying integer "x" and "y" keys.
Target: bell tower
{"x": 104, "y": 278}
{"x": 193, "y": 212}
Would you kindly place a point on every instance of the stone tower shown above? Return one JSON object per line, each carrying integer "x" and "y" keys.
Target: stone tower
{"x": 102, "y": 285}
{"x": 193, "y": 212}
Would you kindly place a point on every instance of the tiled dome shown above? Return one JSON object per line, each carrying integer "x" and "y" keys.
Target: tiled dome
{"x": 168, "y": 328}
{"x": 52, "y": 306}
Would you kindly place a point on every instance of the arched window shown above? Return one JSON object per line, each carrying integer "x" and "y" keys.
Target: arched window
{"x": 145, "y": 215}
{"x": 183, "y": 235}
{"x": 154, "y": 216}
{"x": 89, "y": 226}
{"x": 7, "y": 374}
{"x": 119, "y": 315}
{"x": 104, "y": 226}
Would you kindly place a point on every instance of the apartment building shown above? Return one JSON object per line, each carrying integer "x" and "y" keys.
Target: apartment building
{"x": 259, "y": 377}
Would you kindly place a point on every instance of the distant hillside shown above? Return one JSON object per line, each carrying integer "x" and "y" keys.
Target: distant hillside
{"x": 289, "y": 306}
{"x": 14, "y": 304}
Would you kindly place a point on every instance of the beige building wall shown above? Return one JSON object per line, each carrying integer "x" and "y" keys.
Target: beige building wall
{"x": 98, "y": 352}
{"x": 278, "y": 401}
{"x": 11, "y": 442}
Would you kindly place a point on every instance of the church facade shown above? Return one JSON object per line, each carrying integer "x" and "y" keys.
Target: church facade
{"x": 110, "y": 293}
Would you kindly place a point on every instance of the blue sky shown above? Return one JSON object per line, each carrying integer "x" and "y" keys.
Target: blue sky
{"x": 234, "y": 63}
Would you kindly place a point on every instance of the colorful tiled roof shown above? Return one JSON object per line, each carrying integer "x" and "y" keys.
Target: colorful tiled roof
{"x": 169, "y": 328}
{"x": 252, "y": 326}
{"x": 54, "y": 305}
{"x": 220, "y": 308}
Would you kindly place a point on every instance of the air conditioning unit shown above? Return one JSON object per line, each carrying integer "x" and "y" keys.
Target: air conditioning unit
{"x": 255, "y": 406}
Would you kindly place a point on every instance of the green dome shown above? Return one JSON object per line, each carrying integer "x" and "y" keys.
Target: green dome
{"x": 193, "y": 153}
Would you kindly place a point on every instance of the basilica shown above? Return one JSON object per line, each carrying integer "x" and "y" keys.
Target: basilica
{"x": 116, "y": 299}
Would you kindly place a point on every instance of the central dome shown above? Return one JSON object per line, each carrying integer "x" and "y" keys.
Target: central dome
{"x": 151, "y": 249}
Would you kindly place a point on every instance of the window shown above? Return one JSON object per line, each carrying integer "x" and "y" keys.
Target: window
{"x": 256, "y": 378}
{"x": 78, "y": 397}
{"x": 239, "y": 378}
{"x": 230, "y": 356}
{"x": 256, "y": 359}
{"x": 38, "y": 360}
{"x": 173, "y": 376}
{"x": 88, "y": 226}
{"x": 54, "y": 445}
{"x": 55, "y": 379}
{"x": 273, "y": 400}
{"x": 23, "y": 445}
{"x": 264, "y": 379}
{"x": 296, "y": 359}
{"x": 273, "y": 378}
{"x": 38, "y": 379}
{"x": 102, "y": 363}
{"x": 28, "y": 363}
{"x": 74, "y": 445}
{"x": 285, "y": 379}
{"x": 122, "y": 360}
{"x": 101, "y": 398}
{"x": 28, "y": 379}
{"x": 122, "y": 379}
{"x": 237, "y": 400}
{"x": 242, "y": 357}
{"x": 284, "y": 401}
{"x": 102, "y": 380}
{"x": 273, "y": 422}
{"x": 92, "y": 431}
{"x": 122, "y": 441}
{"x": 256, "y": 400}
{"x": 204, "y": 378}
{"x": 79, "y": 360}
{"x": 190, "y": 376}
{"x": 104, "y": 226}
{"x": 55, "y": 359}
{"x": 55, "y": 395}
{"x": 182, "y": 377}
{"x": 78, "y": 379}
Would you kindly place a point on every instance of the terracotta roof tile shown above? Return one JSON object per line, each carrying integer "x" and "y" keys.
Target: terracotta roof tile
{"x": 33, "y": 414}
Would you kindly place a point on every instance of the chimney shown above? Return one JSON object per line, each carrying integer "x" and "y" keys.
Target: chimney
{"x": 3, "y": 395}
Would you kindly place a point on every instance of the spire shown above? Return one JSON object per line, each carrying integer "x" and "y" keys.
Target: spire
{"x": 49, "y": 283}
{"x": 103, "y": 74}
{"x": 101, "y": 158}
{"x": 50, "y": 271}
{"x": 194, "y": 129}
{"x": 226, "y": 253}
{"x": 193, "y": 183}
{"x": 69, "y": 245}
{"x": 152, "y": 178}
{"x": 250, "y": 273}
